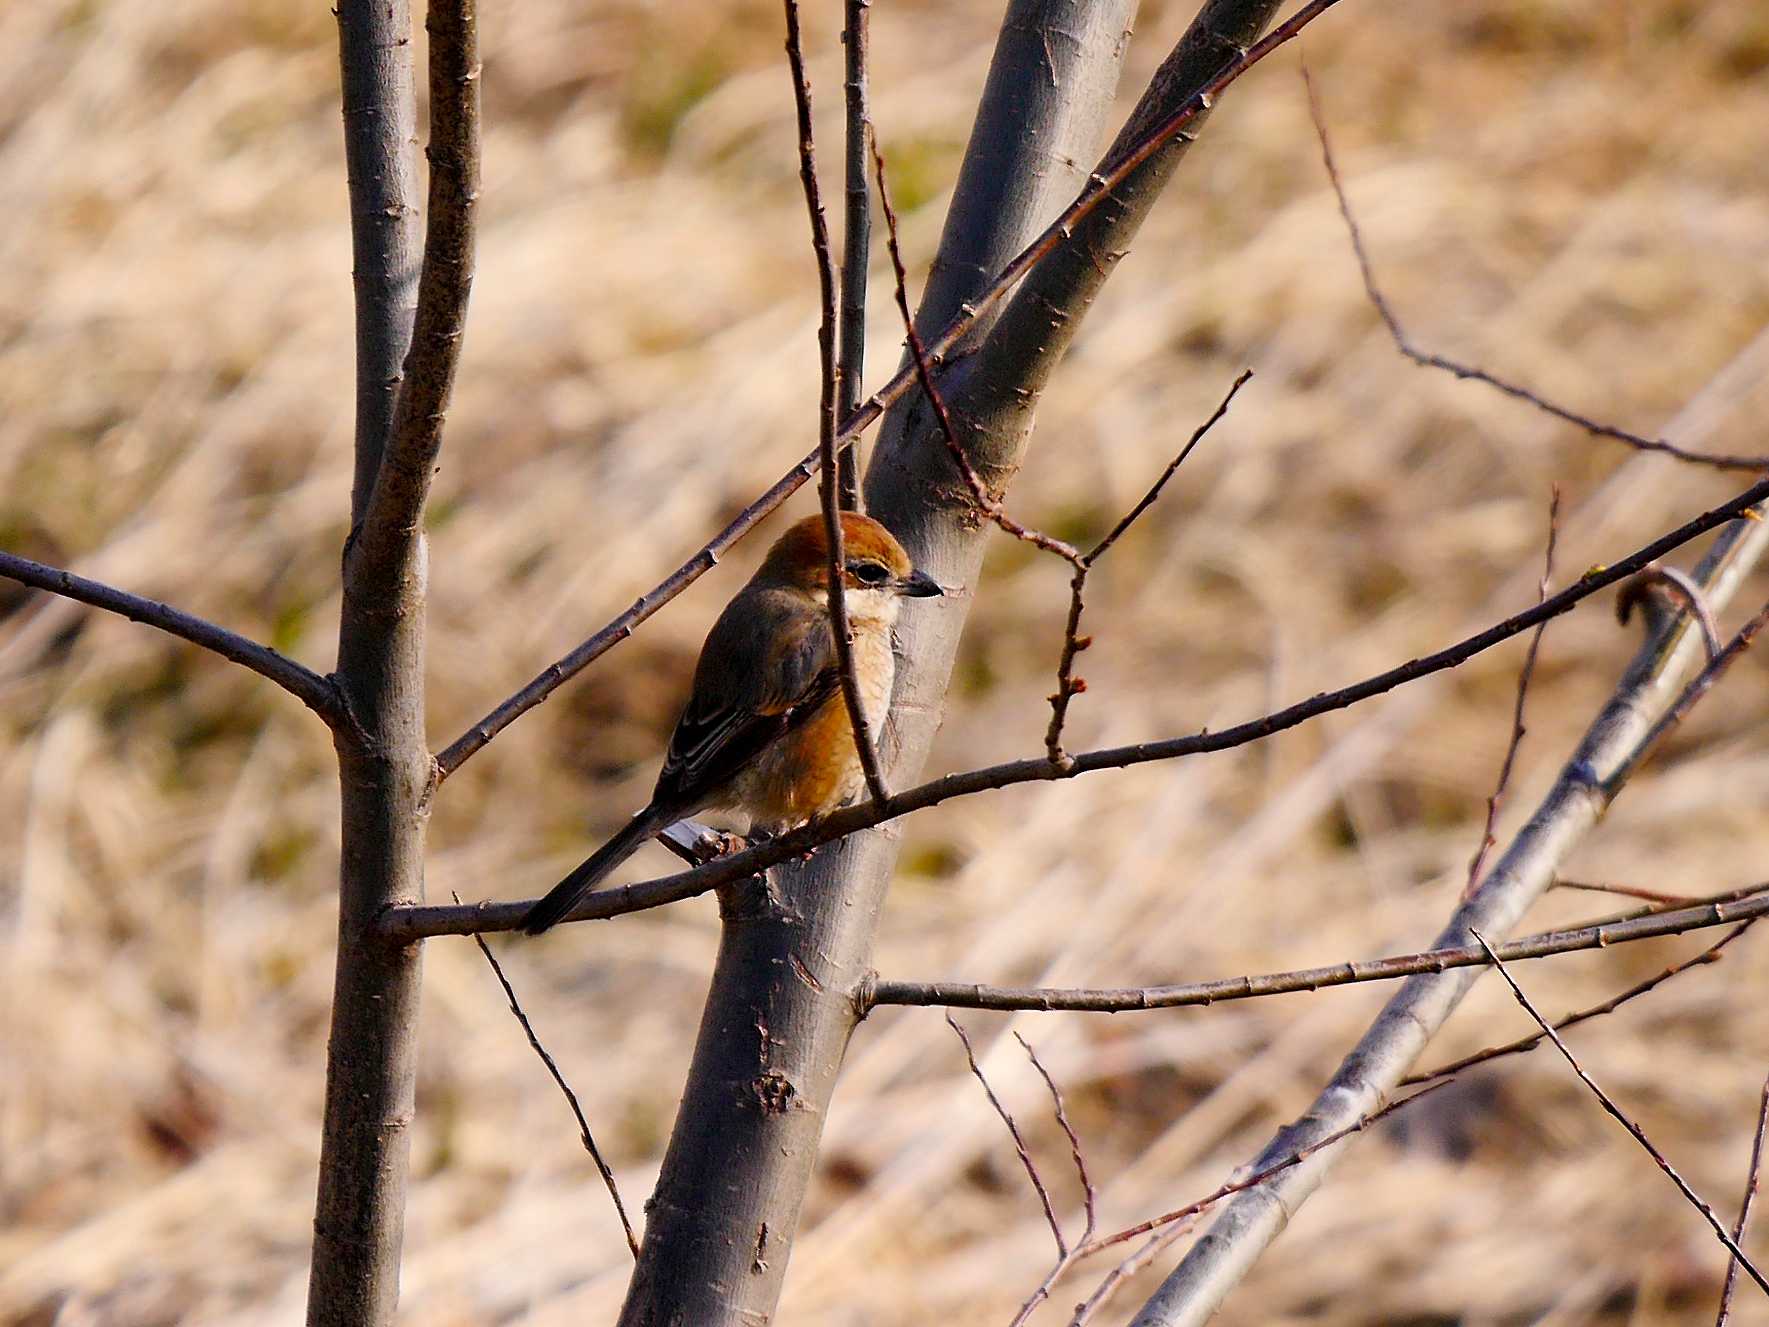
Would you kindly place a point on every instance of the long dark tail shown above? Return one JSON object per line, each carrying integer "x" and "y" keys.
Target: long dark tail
{"x": 569, "y": 892}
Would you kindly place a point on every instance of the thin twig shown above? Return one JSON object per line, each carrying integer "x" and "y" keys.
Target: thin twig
{"x": 583, "y": 1124}
{"x": 1099, "y": 187}
{"x": 1626, "y": 891}
{"x": 1469, "y": 372}
{"x": 411, "y": 922}
{"x": 1019, "y": 1142}
{"x": 1066, "y": 1257}
{"x": 1067, "y": 684}
{"x": 307, "y": 686}
{"x": 1709, "y": 955}
{"x": 828, "y": 468}
{"x": 1639, "y": 1135}
{"x": 857, "y": 239}
{"x": 1744, "y": 1208}
{"x": 1131, "y": 999}
{"x": 1524, "y": 674}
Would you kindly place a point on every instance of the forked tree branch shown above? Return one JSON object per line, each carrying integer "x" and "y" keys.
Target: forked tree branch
{"x": 412, "y": 923}
{"x": 1224, "y": 1254}
{"x": 1694, "y": 1199}
{"x": 307, "y": 686}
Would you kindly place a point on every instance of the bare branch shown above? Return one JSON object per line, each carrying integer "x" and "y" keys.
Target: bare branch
{"x": 1695, "y": 1200}
{"x": 1066, "y": 1256}
{"x": 395, "y": 504}
{"x": 828, "y": 478}
{"x": 1196, "y": 1288}
{"x": 583, "y": 1125}
{"x": 1523, "y": 679}
{"x": 1744, "y": 1208}
{"x": 857, "y": 239}
{"x": 936, "y": 348}
{"x": 1469, "y": 372}
{"x": 1128, "y": 999}
{"x": 1709, "y": 955}
{"x": 1067, "y": 684}
{"x": 411, "y": 923}
{"x": 1019, "y": 1142}
{"x": 307, "y": 686}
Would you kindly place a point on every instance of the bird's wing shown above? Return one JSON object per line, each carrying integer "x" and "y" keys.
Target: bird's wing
{"x": 761, "y": 674}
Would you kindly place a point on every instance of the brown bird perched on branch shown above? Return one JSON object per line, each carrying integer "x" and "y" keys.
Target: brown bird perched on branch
{"x": 765, "y": 730}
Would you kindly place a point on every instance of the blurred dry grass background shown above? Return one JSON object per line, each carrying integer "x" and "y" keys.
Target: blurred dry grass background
{"x": 1571, "y": 193}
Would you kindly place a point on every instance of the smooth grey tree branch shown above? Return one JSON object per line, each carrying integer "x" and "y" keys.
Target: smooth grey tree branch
{"x": 307, "y": 686}
{"x": 1218, "y": 1261}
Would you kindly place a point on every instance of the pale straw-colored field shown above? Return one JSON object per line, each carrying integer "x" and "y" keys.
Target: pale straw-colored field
{"x": 1573, "y": 194}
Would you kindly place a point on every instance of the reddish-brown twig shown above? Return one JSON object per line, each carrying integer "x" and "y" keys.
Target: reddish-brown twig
{"x": 1089, "y": 1198}
{"x": 1524, "y": 674}
{"x": 552, "y": 1065}
{"x": 1709, "y": 955}
{"x": 1469, "y": 372}
{"x": 1744, "y": 1208}
{"x": 1694, "y": 1199}
{"x": 1019, "y": 1142}
{"x": 829, "y": 469}
{"x": 1626, "y": 891}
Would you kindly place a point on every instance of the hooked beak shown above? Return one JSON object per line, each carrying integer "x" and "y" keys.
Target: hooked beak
{"x": 919, "y": 585}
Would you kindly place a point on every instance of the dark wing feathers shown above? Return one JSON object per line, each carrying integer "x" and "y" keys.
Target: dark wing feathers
{"x": 743, "y": 700}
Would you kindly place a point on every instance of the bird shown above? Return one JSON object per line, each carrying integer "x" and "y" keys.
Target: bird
{"x": 765, "y": 730}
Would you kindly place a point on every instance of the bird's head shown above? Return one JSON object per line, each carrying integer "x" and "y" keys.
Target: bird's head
{"x": 876, "y": 572}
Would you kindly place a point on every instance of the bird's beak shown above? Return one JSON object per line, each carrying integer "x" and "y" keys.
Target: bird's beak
{"x": 919, "y": 585}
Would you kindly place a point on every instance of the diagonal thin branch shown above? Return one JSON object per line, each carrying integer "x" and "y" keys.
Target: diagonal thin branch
{"x": 1639, "y": 1135}
{"x": 828, "y": 477}
{"x": 1130, "y": 999}
{"x": 1709, "y": 955}
{"x": 1067, "y": 1254}
{"x": 857, "y": 238}
{"x": 1752, "y": 1178}
{"x": 1487, "y": 840}
{"x": 1019, "y": 1141}
{"x": 408, "y": 923}
{"x": 307, "y": 686}
{"x": 1099, "y": 189}
{"x": 1469, "y": 372}
{"x": 546, "y": 1058}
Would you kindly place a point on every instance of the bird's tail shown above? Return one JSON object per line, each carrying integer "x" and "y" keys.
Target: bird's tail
{"x": 569, "y": 892}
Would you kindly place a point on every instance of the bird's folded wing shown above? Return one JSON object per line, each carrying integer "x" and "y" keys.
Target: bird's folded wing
{"x": 757, "y": 681}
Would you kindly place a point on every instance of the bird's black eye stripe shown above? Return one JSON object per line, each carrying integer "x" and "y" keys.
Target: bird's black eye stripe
{"x": 868, "y": 573}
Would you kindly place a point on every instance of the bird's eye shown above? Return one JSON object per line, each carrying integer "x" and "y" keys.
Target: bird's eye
{"x": 868, "y": 573}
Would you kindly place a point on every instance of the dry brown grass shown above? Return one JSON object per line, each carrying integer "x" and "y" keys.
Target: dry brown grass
{"x": 1572, "y": 193}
